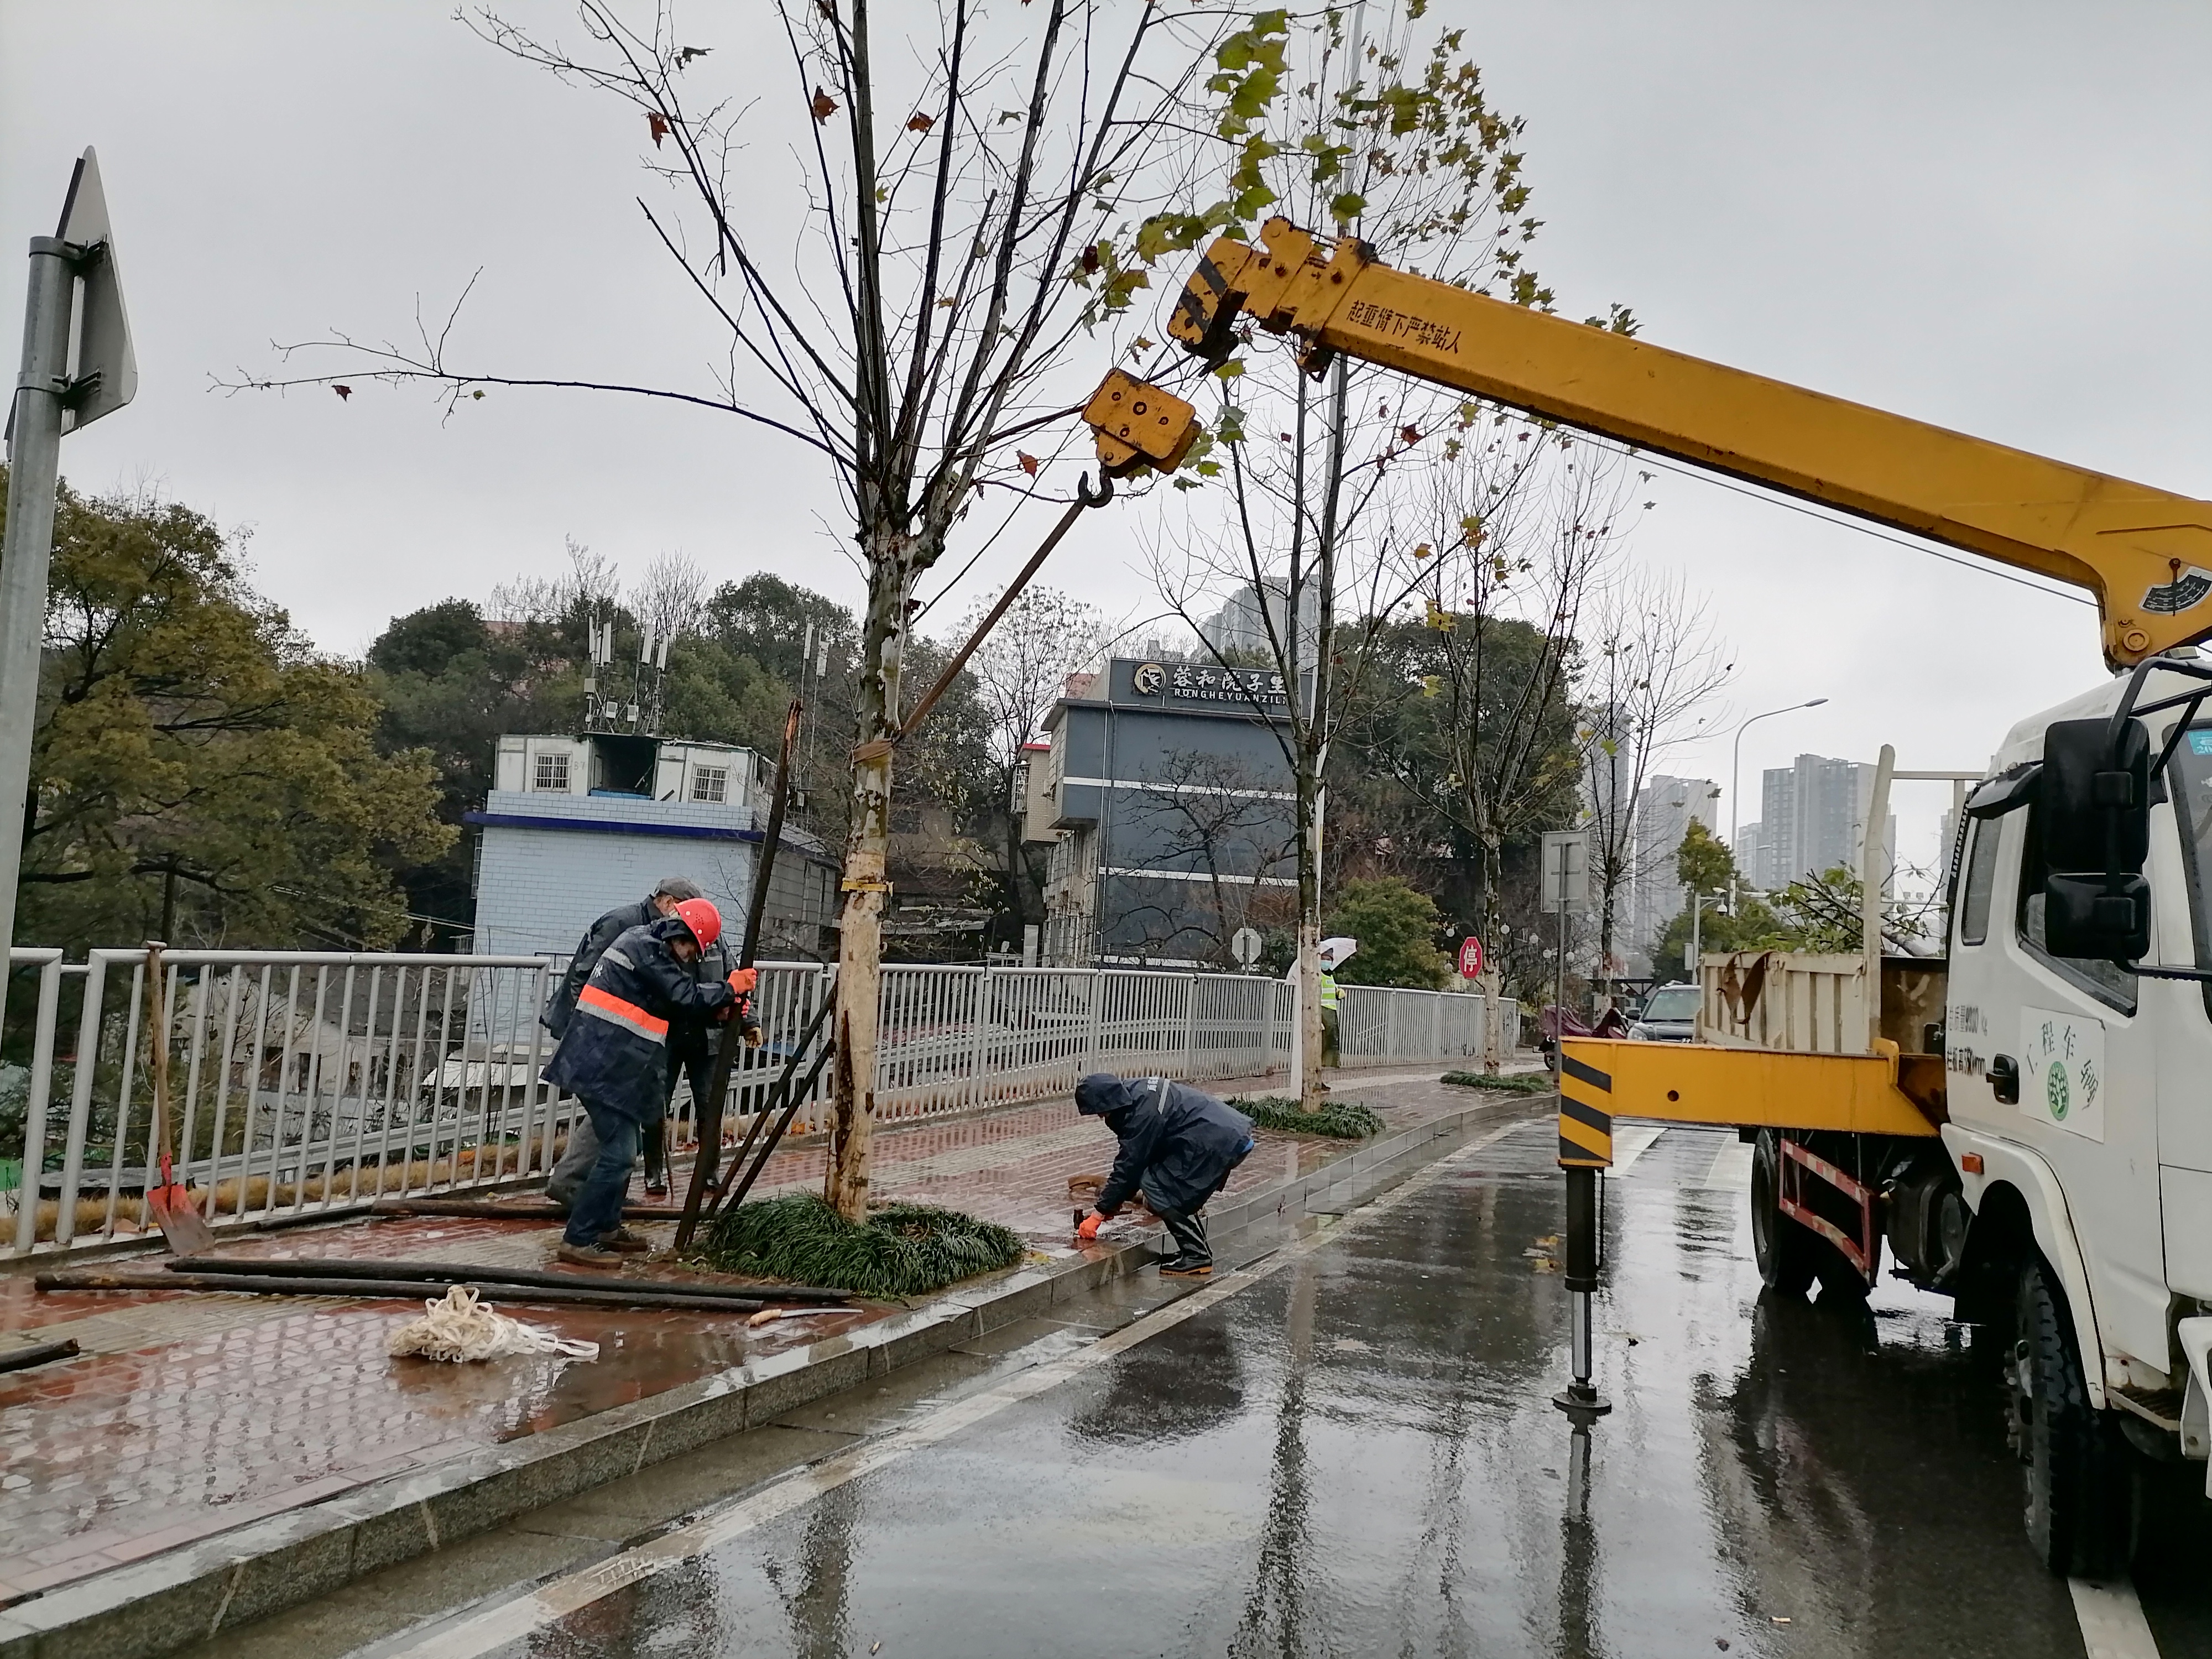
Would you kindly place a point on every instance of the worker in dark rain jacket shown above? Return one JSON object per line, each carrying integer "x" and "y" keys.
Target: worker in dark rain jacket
{"x": 692, "y": 1042}
{"x": 1178, "y": 1147}
{"x": 615, "y": 1059}
{"x": 561, "y": 1006}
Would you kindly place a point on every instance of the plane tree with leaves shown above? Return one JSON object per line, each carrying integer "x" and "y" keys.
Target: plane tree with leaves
{"x": 1389, "y": 135}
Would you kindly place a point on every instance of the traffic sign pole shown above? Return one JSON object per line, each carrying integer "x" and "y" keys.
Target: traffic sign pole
{"x": 49, "y": 400}
{"x": 34, "y": 453}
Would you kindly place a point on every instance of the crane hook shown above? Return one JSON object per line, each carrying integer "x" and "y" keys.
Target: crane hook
{"x": 1105, "y": 492}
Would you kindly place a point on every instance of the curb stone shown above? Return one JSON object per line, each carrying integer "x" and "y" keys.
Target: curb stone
{"x": 187, "y": 1595}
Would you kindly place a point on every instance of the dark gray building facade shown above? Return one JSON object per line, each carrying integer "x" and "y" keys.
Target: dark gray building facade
{"x": 1171, "y": 814}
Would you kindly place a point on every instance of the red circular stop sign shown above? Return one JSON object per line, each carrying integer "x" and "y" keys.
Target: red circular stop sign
{"x": 1470, "y": 957}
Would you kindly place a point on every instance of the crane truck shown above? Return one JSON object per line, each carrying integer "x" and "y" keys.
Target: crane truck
{"x": 2023, "y": 1121}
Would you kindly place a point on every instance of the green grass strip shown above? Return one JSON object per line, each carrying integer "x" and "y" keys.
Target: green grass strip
{"x": 1341, "y": 1119}
{"x": 902, "y": 1249}
{"x": 1521, "y": 1083}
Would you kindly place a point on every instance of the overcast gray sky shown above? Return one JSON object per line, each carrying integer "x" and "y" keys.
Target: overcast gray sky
{"x": 1995, "y": 217}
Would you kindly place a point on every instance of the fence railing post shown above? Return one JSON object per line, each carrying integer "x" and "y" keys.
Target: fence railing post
{"x": 980, "y": 1048}
{"x": 40, "y": 1091}
{"x": 1091, "y": 1034}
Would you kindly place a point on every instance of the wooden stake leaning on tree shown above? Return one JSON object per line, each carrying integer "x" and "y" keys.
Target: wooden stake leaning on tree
{"x": 707, "y": 1114}
{"x": 792, "y": 1102}
{"x": 1084, "y": 498}
{"x": 779, "y": 1091}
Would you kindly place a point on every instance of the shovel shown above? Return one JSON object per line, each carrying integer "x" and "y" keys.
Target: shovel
{"x": 181, "y": 1224}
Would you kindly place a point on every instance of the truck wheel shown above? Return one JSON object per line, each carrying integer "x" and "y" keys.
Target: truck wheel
{"x": 2076, "y": 1480}
{"x": 1784, "y": 1250}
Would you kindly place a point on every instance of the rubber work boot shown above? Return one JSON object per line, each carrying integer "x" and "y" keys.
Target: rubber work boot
{"x": 621, "y": 1239}
{"x": 1193, "y": 1257}
{"x": 588, "y": 1255}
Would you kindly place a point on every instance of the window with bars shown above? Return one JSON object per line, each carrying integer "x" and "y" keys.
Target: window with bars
{"x": 552, "y": 773}
{"x": 710, "y": 784}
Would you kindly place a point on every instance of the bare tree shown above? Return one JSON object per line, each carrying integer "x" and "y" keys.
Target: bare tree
{"x": 594, "y": 583}
{"x": 1651, "y": 664}
{"x": 671, "y": 600}
{"x": 970, "y": 210}
{"x": 1019, "y": 672}
{"x": 1524, "y": 522}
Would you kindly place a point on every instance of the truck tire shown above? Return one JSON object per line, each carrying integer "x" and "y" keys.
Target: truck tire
{"x": 2076, "y": 1476}
{"x": 1786, "y": 1251}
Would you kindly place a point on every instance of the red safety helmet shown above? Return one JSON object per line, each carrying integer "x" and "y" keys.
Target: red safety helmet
{"x": 704, "y": 920}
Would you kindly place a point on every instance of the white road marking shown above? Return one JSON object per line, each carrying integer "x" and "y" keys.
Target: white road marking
{"x": 511, "y": 1620}
{"x": 2113, "y": 1622}
{"x": 1731, "y": 1168}
{"x": 1632, "y": 1143}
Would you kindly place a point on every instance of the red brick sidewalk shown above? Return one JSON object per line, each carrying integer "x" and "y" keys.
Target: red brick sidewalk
{"x": 189, "y": 1414}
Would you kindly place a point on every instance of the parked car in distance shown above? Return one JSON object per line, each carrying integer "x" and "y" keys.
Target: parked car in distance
{"x": 1669, "y": 1014}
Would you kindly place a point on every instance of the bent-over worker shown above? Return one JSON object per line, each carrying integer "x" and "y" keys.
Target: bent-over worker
{"x": 1178, "y": 1147}
{"x": 615, "y": 1058}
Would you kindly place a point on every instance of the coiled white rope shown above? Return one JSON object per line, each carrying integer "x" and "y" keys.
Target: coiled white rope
{"x": 460, "y": 1328}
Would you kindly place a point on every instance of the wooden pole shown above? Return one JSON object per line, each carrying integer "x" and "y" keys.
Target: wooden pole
{"x": 707, "y": 1114}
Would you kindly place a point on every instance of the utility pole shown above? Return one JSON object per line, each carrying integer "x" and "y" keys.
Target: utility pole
{"x": 52, "y": 397}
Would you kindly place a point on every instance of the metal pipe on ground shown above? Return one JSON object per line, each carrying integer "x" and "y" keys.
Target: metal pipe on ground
{"x": 397, "y": 1290}
{"x": 38, "y": 1353}
{"x": 480, "y": 1209}
{"x": 476, "y": 1273}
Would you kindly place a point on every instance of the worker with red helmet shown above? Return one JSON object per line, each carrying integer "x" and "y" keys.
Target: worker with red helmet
{"x": 691, "y": 1044}
{"x": 615, "y": 1057}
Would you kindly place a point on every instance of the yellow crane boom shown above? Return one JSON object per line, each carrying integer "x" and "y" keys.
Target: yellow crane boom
{"x": 2144, "y": 553}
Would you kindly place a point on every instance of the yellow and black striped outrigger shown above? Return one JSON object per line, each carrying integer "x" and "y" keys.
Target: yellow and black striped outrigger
{"x": 1585, "y": 1115}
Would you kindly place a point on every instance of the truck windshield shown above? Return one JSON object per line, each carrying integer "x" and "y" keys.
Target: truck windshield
{"x": 1673, "y": 1002}
{"x": 2190, "y": 777}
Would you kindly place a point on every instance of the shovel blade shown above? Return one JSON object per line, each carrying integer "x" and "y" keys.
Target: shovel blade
{"x": 180, "y": 1222}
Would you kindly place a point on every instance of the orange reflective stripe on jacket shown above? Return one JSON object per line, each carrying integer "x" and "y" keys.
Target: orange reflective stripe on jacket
{"x": 606, "y": 1005}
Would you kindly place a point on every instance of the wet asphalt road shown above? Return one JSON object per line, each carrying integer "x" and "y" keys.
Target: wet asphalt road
{"x": 1357, "y": 1455}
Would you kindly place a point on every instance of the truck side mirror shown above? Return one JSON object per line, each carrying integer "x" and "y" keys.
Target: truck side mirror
{"x": 2093, "y": 817}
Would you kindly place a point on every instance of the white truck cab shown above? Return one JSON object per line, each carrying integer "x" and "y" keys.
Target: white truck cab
{"x": 2080, "y": 1102}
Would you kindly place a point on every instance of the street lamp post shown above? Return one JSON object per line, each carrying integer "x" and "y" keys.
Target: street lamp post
{"x": 1735, "y": 769}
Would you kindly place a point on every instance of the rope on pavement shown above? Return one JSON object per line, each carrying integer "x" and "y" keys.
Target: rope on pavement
{"x": 459, "y": 1329}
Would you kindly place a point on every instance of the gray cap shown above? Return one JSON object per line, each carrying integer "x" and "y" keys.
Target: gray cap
{"x": 678, "y": 887}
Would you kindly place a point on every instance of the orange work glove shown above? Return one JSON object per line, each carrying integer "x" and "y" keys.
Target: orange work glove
{"x": 742, "y": 981}
{"x": 1089, "y": 1229}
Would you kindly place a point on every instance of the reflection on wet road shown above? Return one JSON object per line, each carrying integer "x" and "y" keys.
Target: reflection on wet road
{"x": 1357, "y": 1455}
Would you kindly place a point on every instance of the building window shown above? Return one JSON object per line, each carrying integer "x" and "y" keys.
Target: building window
{"x": 552, "y": 774}
{"x": 710, "y": 784}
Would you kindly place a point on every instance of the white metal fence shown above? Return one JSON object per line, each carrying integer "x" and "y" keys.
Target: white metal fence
{"x": 1379, "y": 1027}
{"x": 302, "y": 1080}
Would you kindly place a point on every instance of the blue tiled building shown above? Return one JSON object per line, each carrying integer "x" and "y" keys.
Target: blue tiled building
{"x": 576, "y": 825}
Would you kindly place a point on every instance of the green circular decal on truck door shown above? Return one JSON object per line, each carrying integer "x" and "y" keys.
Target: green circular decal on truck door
{"x": 2055, "y": 1092}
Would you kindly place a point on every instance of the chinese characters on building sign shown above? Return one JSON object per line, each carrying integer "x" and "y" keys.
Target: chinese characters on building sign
{"x": 1403, "y": 326}
{"x": 1192, "y": 683}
